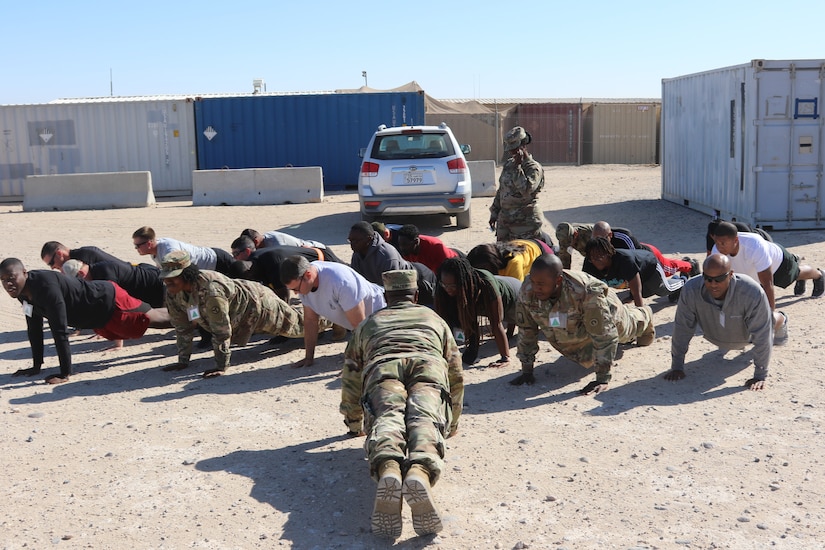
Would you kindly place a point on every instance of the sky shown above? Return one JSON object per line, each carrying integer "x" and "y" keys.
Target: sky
{"x": 453, "y": 49}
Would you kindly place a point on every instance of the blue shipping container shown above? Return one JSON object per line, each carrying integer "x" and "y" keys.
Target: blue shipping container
{"x": 326, "y": 130}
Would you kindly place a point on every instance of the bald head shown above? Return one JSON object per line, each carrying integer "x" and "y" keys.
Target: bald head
{"x": 549, "y": 263}
{"x": 716, "y": 264}
{"x": 601, "y": 229}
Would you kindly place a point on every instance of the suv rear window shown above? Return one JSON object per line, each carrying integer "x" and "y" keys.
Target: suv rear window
{"x": 412, "y": 146}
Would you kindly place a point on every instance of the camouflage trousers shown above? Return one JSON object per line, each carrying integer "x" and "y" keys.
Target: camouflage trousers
{"x": 280, "y": 318}
{"x": 632, "y": 321}
{"x": 521, "y": 223}
{"x": 407, "y": 413}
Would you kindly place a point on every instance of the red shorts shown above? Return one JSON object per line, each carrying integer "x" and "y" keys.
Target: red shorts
{"x": 128, "y": 320}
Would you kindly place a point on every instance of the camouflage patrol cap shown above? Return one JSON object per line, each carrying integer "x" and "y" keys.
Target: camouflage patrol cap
{"x": 516, "y": 137}
{"x": 400, "y": 279}
{"x": 174, "y": 263}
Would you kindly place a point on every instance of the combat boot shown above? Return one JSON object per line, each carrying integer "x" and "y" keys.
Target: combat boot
{"x": 386, "y": 515}
{"x": 417, "y": 492}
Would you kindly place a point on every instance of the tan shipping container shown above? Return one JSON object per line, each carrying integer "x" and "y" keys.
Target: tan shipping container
{"x": 621, "y": 133}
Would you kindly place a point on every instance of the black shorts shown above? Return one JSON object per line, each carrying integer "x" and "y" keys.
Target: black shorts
{"x": 788, "y": 270}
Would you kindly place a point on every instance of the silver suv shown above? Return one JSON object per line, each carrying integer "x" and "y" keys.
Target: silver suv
{"x": 412, "y": 170}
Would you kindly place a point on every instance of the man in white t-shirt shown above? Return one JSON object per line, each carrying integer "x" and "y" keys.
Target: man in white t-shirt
{"x": 768, "y": 263}
{"x": 211, "y": 259}
{"x": 330, "y": 290}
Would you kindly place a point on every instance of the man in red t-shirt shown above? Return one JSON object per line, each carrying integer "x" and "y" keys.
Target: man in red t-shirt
{"x": 424, "y": 249}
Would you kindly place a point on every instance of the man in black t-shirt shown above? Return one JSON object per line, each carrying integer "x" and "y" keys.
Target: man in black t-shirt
{"x": 141, "y": 281}
{"x": 63, "y": 301}
{"x": 55, "y": 254}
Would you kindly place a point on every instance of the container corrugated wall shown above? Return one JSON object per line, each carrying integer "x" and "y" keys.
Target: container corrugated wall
{"x": 325, "y": 130}
{"x": 621, "y": 133}
{"x": 480, "y": 131}
{"x": 555, "y": 129}
{"x": 87, "y": 137}
{"x": 746, "y": 142}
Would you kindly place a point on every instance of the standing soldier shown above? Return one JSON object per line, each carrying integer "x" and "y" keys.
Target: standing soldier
{"x": 402, "y": 375}
{"x": 515, "y": 213}
{"x": 580, "y": 316}
{"x": 232, "y": 310}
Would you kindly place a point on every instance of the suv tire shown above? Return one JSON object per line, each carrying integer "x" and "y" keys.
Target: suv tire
{"x": 462, "y": 220}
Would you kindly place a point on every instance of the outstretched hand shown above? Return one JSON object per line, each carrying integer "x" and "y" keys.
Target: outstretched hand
{"x": 755, "y": 385}
{"x": 524, "y": 378}
{"x": 26, "y": 372}
{"x": 175, "y": 367}
{"x": 593, "y": 387}
{"x": 674, "y": 374}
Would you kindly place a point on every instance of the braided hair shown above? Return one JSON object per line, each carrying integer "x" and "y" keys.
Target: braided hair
{"x": 463, "y": 309}
{"x": 599, "y": 245}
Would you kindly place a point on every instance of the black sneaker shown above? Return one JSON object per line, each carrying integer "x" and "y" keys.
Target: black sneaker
{"x": 819, "y": 285}
{"x": 694, "y": 266}
{"x": 799, "y": 287}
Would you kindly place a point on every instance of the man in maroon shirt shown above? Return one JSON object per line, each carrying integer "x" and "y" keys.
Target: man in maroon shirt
{"x": 424, "y": 249}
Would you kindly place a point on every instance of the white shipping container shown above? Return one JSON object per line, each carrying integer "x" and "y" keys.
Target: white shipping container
{"x": 100, "y": 135}
{"x": 746, "y": 142}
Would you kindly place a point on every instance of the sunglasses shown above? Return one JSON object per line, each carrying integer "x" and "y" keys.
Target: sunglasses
{"x": 138, "y": 245}
{"x": 717, "y": 279}
{"x": 51, "y": 260}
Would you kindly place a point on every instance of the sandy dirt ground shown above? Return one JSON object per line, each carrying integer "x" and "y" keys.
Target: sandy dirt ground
{"x": 128, "y": 456}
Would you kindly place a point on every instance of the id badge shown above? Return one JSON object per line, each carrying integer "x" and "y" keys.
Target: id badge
{"x": 28, "y": 309}
{"x": 458, "y": 334}
{"x": 193, "y": 313}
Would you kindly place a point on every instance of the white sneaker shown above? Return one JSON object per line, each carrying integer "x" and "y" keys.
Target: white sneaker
{"x": 780, "y": 337}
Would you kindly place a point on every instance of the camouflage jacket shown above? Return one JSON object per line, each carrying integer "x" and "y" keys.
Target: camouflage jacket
{"x": 401, "y": 331}
{"x": 228, "y": 308}
{"x": 580, "y": 324}
{"x": 518, "y": 186}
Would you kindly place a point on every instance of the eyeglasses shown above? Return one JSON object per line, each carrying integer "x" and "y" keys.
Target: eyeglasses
{"x": 138, "y": 245}
{"x": 599, "y": 259}
{"x": 297, "y": 287}
{"x": 447, "y": 286}
{"x": 717, "y": 279}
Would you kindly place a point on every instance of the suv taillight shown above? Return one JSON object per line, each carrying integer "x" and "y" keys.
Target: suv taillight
{"x": 456, "y": 166}
{"x": 369, "y": 169}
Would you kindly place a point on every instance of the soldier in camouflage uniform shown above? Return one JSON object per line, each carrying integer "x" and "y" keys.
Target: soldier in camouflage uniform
{"x": 232, "y": 310}
{"x": 580, "y": 316}
{"x": 515, "y": 213}
{"x": 402, "y": 375}
{"x": 572, "y": 236}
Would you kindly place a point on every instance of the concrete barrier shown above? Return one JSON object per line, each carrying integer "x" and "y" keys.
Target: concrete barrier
{"x": 483, "y": 175}
{"x": 254, "y": 186}
{"x": 88, "y": 191}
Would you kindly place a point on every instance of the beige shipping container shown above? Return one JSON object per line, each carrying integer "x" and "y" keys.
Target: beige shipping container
{"x": 621, "y": 133}
{"x": 481, "y": 126}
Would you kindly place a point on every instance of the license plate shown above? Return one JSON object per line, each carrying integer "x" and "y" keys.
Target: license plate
{"x": 413, "y": 178}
